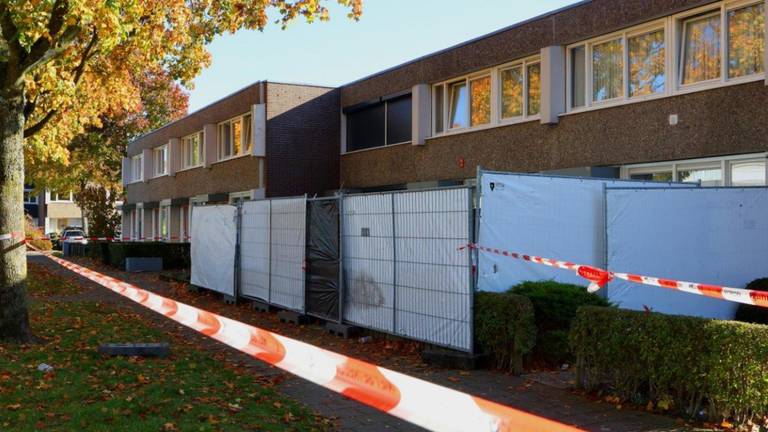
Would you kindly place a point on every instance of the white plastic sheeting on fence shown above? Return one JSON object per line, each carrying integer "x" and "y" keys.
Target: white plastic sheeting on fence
{"x": 214, "y": 238}
{"x": 254, "y": 249}
{"x": 404, "y": 272}
{"x": 288, "y": 242}
{"x": 709, "y": 235}
{"x": 553, "y": 217}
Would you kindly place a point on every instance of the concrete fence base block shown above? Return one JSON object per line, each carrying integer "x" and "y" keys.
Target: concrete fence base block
{"x": 135, "y": 264}
{"x": 228, "y": 299}
{"x": 342, "y": 330}
{"x": 260, "y": 306}
{"x": 135, "y": 349}
{"x": 292, "y": 317}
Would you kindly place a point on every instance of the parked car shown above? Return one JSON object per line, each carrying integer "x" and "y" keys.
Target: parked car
{"x": 74, "y": 236}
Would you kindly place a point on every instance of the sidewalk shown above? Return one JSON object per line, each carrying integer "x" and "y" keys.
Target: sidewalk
{"x": 520, "y": 392}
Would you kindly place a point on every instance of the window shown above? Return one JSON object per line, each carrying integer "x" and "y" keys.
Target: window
{"x": 164, "y": 216}
{"x": 160, "y": 160}
{"x": 578, "y": 76}
{"x": 740, "y": 170}
{"x": 459, "y": 110}
{"x": 137, "y": 168}
{"x": 646, "y": 63}
{"x": 379, "y": 124}
{"x": 30, "y": 197}
{"x": 480, "y": 101}
{"x": 192, "y": 150}
{"x": 701, "y": 49}
{"x": 534, "y": 88}
{"x": 235, "y": 137}
{"x": 748, "y": 173}
{"x": 55, "y": 195}
{"x": 746, "y": 40}
{"x": 512, "y": 89}
{"x": 607, "y": 70}
{"x": 439, "y": 108}
{"x": 184, "y": 223}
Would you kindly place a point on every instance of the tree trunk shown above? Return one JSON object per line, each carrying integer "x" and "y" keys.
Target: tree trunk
{"x": 14, "y": 317}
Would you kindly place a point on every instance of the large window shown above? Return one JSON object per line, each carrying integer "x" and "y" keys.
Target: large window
{"x": 137, "y": 168}
{"x": 742, "y": 170}
{"x": 192, "y": 150}
{"x": 379, "y": 124}
{"x": 690, "y": 51}
{"x": 504, "y": 94}
{"x": 703, "y": 49}
{"x": 235, "y": 137}
{"x": 160, "y": 160}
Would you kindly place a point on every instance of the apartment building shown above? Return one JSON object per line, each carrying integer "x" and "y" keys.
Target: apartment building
{"x": 52, "y": 210}
{"x": 662, "y": 90}
{"x": 269, "y": 139}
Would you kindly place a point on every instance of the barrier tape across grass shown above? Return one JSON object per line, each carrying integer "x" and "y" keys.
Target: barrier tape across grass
{"x": 417, "y": 401}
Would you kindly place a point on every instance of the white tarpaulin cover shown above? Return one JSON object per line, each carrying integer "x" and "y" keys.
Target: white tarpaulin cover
{"x": 553, "y": 217}
{"x": 288, "y": 242}
{"x": 214, "y": 238}
{"x": 254, "y": 249}
{"x": 715, "y": 236}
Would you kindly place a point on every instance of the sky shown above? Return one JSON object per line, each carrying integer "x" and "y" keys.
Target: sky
{"x": 334, "y": 53}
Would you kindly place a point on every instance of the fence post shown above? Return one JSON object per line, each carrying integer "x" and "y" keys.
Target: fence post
{"x": 269, "y": 255}
{"x": 340, "y": 198}
{"x": 394, "y": 268}
{"x": 238, "y": 240}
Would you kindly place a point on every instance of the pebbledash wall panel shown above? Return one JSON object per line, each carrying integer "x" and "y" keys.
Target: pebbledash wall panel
{"x": 405, "y": 271}
{"x": 214, "y": 238}
{"x": 561, "y": 218}
{"x": 255, "y": 249}
{"x": 287, "y": 252}
{"x": 715, "y": 236}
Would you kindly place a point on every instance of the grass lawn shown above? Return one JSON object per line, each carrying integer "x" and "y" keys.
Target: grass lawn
{"x": 189, "y": 391}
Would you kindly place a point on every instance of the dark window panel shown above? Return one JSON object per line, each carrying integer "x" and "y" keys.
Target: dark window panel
{"x": 365, "y": 128}
{"x": 399, "y": 120}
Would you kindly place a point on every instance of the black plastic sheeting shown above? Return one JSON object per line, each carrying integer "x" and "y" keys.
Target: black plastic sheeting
{"x": 322, "y": 297}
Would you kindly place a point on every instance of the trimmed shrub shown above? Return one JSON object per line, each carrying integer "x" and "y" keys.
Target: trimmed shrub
{"x": 754, "y": 314}
{"x": 555, "y": 305}
{"x": 682, "y": 363}
{"x": 36, "y": 236}
{"x": 504, "y": 328}
{"x": 174, "y": 255}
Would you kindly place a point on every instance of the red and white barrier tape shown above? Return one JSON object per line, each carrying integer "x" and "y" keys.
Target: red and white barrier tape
{"x": 598, "y": 277}
{"x": 419, "y": 402}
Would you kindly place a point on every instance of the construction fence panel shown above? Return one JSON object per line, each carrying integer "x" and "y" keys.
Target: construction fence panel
{"x": 404, "y": 271}
{"x": 214, "y": 239}
{"x": 288, "y": 252}
{"x": 255, "y": 250}
{"x": 716, "y": 236}
{"x": 554, "y": 217}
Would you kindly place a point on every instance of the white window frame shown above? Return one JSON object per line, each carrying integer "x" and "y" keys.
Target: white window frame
{"x": 50, "y": 198}
{"x": 724, "y": 163}
{"x": 137, "y": 167}
{"x": 673, "y": 26}
{"x": 495, "y": 120}
{"x": 244, "y": 144}
{"x": 32, "y": 196}
{"x": 160, "y": 154}
{"x": 186, "y": 149}
{"x": 235, "y": 196}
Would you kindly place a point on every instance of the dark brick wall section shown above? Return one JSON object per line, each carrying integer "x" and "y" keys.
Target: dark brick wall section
{"x": 567, "y": 26}
{"x": 302, "y": 139}
{"x": 722, "y": 121}
{"x": 231, "y": 106}
{"x": 234, "y": 175}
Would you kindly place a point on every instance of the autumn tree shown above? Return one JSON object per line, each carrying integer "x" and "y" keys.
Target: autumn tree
{"x": 65, "y": 62}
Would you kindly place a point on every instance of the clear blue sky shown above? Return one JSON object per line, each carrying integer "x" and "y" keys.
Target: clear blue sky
{"x": 337, "y": 52}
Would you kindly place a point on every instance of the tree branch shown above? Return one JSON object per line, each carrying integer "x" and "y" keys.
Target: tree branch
{"x": 11, "y": 35}
{"x": 43, "y": 43}
{"x": 37, "y": 127}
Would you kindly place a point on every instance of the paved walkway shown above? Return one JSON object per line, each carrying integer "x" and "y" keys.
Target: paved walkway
{"x": 548, "y": 400}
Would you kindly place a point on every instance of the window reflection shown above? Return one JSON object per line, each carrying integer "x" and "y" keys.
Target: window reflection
{"x": 512, "y": 92}
{"x": 707, "y": 176}
{"x": 607, "y": 70}
{"x": 746, "y": 40}
{"x": 701, "y": 47}
{"x": 459, "y": 115}
{"x": 646, "y": 64}
{"x": 480, "y": 108}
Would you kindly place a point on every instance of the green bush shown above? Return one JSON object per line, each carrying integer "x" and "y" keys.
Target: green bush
{"x": 685, "y": 364}
{"x": 754, "y": 314}
{"x": 504, "y": 328}
{"x": 555, "y": 305}
{"x": 174, "y": 255}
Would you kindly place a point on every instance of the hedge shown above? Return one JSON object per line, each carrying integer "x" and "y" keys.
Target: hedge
{"x": 555, "y": 305}
{"x": 174, "y": 255}
{"x": 689, "y": 364}
{"x": 504, "y": 328}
